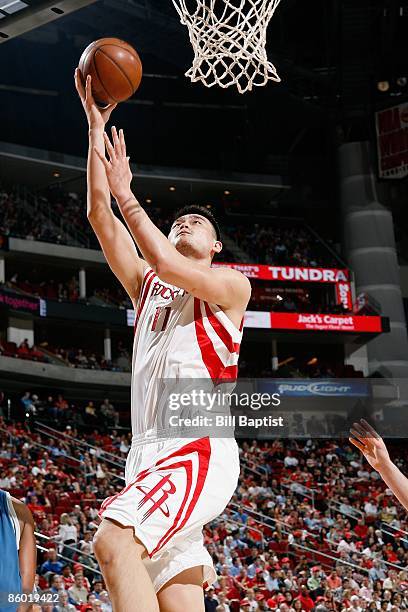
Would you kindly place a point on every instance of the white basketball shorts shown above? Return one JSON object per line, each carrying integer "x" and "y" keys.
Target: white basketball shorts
{"x": 173, "y": 488}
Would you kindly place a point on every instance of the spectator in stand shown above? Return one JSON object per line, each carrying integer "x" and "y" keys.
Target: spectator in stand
{"x": 81, "y": 359}
{"x": 104, "y": 599}
{"x": 56, "y": 584}
{"x": 223, "y": 603}
{"x": 354, "y": 605}
{"x": 34, "y": 506}
{"x": 305, "y": 599}
{"x": 109, "y": 412}
{"x": 334, "y": 581}
{"x": 210, "y": 601}
{"x": 24, "y": 348}
{"x": 67, "y": 576}
{"x": 90, "y": 413}
{"x": 67, "y": 535}
{"x": 78, "y": 593}
{"x": 51, "y": 564}
{"x": 63, "y": 604}
{"x": 61, "y": 404}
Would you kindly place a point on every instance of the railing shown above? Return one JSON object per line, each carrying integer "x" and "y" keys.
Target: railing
{"x": 46, "y": 430}
{"x": 240, "y": 526}
{"x": 300, "y": 489}
{"x": 39, "y": 445}
{"x": 73, "y": 235}
{"x": 393, "y": 531}
{"x": 345, "y": 509}
{"x": 61, "y": 556}
{"x": 45, "y": 212}
{"x": 245, "y": 466}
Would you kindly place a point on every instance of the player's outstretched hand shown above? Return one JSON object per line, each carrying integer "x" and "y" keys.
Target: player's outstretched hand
{"x": 371, "y": 444}
{"x": 97, "y": 117}
{"x": 117, "y": 168}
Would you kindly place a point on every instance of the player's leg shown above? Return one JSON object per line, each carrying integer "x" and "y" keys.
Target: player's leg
{"x": 120, "y": 557}
{"x": 183, "y": 592}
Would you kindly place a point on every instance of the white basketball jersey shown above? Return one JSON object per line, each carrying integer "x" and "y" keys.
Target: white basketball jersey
{"x": 177, "y": 336}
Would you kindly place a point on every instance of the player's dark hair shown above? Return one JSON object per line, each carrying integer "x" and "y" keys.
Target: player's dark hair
{"x": 195, "y": 209}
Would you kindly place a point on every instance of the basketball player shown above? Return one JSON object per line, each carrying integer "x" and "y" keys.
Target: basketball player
{"x": 18, "y": 553}
{"x": 374, "y": 450}
{"x": 188, "y": 325}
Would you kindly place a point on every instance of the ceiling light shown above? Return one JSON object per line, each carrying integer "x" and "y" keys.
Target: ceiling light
{"x": 12, "y": 6}
{"x": 56, "y": 174}
{"x": 226, "y": 192}
{"x": 402, "y": 81}
{"x": 172, "y": 188}
{"x": 312, "y": 361}
{"x": 148, "y": 201}
{"x": 383, "y": 86}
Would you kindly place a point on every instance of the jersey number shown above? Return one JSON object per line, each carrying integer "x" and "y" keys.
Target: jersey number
{"x": 159, "y": 310}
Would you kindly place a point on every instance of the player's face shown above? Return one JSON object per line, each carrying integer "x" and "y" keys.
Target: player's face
{"x": 193, "y": 235}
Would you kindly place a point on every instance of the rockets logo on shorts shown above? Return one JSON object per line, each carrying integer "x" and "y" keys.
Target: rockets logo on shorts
{"x": 150, "y": 495}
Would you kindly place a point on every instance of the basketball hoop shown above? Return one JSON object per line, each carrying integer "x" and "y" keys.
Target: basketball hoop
{"x": 228, "y": 39}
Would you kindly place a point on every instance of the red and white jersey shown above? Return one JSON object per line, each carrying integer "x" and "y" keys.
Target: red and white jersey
{"x": 177, "y": 336}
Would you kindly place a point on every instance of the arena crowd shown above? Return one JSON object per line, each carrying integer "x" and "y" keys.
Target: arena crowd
{"x": 60, "y": 217}
{"x": 310, "y": 527}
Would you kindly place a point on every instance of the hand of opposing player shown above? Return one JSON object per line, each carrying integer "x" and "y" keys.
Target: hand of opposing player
{"x": 97, "y": 117}
{"x": 117, "y": 168}
{"x": 370, "y": 443}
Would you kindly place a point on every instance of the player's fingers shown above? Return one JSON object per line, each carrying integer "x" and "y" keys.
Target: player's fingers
{"x": 358, "y": 444}
{"x": 357, "y": 434}
{"x": 109, "y": 147}
{"x": 88, "y": 91}
{"x": 122, "y": 142}
{"x": 362, "y": 431}
{"x": 78, "y": 84}
{"x": 111, "y": 108}
{"x": 370, "y": 429}
{"x": 115, "y": 140}
{"x": 102, "y": 158}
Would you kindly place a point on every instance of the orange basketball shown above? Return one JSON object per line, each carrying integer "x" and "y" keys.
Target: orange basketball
{"x": 115, "y": 68}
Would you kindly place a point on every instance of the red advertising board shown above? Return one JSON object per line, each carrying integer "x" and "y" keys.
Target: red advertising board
{"x": 336, "y": 276}
{"x": 296, "y": 274}
{"x": 392, "y": 141}
{"x": 313, "y": 322}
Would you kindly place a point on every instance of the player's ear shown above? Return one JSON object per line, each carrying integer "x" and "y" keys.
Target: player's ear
{"x": 217, "y": 246}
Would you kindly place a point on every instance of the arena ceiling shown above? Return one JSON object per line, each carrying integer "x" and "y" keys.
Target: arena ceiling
{"x": 326, "y": 52}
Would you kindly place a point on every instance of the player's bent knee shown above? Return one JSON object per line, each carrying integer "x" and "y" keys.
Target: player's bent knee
{"x": 103, "y": 548}
{"x": 112, "y": 541}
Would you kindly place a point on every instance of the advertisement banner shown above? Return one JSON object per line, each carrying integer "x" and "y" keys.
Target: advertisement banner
{"x": 296, "y": 274}
{"x": 23, "y": 303}
{"x": 343, "y": 295}
{"x": 325, "y": 322}
{"x": 316, "y": 387}
{"x": 392, "y": 141}
{"x": 303, "y": 322}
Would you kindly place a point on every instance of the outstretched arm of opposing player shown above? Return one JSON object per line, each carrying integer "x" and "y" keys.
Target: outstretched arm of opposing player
{"x": 370, "y": 443}
{"x": 116, "y": 242}
{"x": 227, "y": 288}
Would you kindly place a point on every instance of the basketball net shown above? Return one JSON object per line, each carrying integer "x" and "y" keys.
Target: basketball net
{"x": 228, "y": 39}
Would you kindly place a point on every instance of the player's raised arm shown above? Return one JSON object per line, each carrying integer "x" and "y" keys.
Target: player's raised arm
{"x": 227, "y": 288}
{"x": 374, "y": 450}
{"x": 116, "y": 242}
